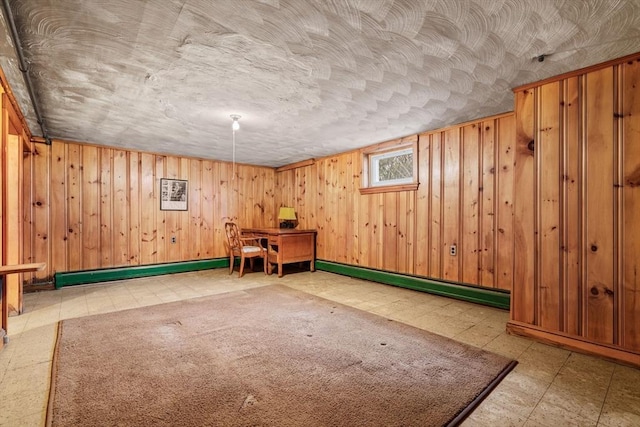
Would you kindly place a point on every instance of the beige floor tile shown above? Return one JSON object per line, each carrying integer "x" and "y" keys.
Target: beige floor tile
{"x": 619, "y": 415}
{"x": 586, "y": 376}
{"x": 542, "y": 361}
{"x": 491, "y": 413}
{"x": 478, "y": 335}
{"x": 508, "y": 345}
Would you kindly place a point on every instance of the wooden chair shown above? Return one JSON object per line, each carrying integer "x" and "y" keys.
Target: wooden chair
{"x": 243, "y": 247}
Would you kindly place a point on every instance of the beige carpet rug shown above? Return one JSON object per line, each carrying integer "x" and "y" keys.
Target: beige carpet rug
{"x": 269, "y": 356}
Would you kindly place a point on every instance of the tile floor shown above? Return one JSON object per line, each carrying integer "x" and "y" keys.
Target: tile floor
{"x": 549, "y": 387}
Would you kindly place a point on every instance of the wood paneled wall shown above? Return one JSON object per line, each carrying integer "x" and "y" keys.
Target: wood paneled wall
{"x": 577, "y": 206}
{"x": 13, "y": 137}
{"x": 97, "y": 207}
{"x": 464, "y": 199}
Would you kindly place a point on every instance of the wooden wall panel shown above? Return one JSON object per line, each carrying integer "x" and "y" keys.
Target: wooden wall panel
{"x": 410, "y": 231}
{"x": 573, "y": 153}
{"x": 120, "y": 216}
{"x": 90, "y": 206}
{"x": 114, "y": 194}
{"x": 365, "y": 230}
{"x": 160, "y": 216}
{"x": 74, "y": 218}
{"x": 470, "y": 196}
{"x": 4, "y": 130}
{"x": 629, "y": 295}
{"x": 59, "y": 206}
{"x": 437, "y": 248}
{"x": 524, "y": 303}
{"x": 487, "y": 208}
{"x": 504, "y": 184}
{"x": 599, "y": 284}
{"x": 376, "y": 251}
{"x": 41, "y": 225}
{"x": 207, "y": 210}
{"x": 549, "y": 219}
{"x": 133, "y": 206}
{"x": 173, "y": 224}
{"x": 15, "y": 211}
{"x": 13, "y": 201}
{"x": 341, "y": 213}
{"x": 148, "y": 207}
{"x": 195, "y": 213}
{"x": 391, "y": 212}
{"x": 451, "y": 204}
{"x": 27, "y": 220}
{"x": 576, "y": 211}
{"x": 422, "y": 204}
{"x": 184, "y": 216}
{"x": 106, "y": 207}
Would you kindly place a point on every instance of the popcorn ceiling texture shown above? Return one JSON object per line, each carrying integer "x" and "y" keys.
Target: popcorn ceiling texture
{"x": 309, "y": 78}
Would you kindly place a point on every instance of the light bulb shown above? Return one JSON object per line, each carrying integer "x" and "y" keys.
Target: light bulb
{"x": 235, "y": 125}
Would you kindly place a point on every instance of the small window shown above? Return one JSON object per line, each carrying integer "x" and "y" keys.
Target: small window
{"x": 390, "y": 166}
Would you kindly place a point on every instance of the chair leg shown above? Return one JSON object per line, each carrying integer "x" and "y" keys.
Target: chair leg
{"x": 251, "y": 262}
{"x": 265, "y": 261}
{"x": 242, "y": 260}
{"x": 231, "y": 261}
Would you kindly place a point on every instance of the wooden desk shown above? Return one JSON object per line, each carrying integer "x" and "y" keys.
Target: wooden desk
{"x": 4, "y": 271}
{"x": 287, "y": 245}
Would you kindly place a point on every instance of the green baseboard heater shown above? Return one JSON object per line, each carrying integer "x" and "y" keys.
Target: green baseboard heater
{"x": 491, "y": 297}
{"x": 486, "y": 296}
{"x": 132, "y": 272}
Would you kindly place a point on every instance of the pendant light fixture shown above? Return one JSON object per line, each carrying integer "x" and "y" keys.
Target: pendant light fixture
{"x": 235, "y": 125}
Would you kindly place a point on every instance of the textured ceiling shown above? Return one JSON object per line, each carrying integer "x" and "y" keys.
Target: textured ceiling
{"x": 309, "y": 78}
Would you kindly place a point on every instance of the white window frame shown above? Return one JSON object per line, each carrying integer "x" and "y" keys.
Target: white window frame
{"x": 374, "y": 168}
{"x": 371, "y": 157}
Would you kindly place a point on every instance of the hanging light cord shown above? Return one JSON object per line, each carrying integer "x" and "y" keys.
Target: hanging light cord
{"x": 233, "y": 169}
{"x": 235, "y": 125}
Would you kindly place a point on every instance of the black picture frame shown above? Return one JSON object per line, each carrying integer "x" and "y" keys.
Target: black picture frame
{"x": 174, "y": 194}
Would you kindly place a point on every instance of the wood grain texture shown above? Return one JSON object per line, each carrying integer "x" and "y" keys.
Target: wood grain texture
{"x": 436, "y": 247}
{"x": 105, "y": 207}
{"x": 487, "y": 236}
{"x": 505, "y": 252}
{"x": 549, "y": 219}
{"x": 13, "y": 210}
{"x": 451, "y": 229}
{"x": 41, "y": 226}
{"x": 576, "y": 204}
{"x": 406, "y": 231}
{"x": 629, "y": 312}
{"x": 471, "y": 197}
{"x": 599, "y": 284}
{"x": 572, "y": 183}
{"x": 524, "y": 302}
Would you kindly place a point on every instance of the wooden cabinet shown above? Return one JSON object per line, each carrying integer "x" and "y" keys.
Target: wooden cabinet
{"x": 577, "y": 211}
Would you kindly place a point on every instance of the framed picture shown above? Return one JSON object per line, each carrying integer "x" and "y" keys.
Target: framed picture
{"x": 174, "y": 194}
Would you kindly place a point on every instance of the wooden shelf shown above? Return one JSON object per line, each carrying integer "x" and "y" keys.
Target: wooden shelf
{"x": 4, "y": 271}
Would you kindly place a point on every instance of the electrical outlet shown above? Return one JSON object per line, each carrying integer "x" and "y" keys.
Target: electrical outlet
{"x": 453, "y": 250}
{"x": 173, "y": 239}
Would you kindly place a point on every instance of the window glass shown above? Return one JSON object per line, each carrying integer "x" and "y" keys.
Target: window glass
{"x": 391, "y": 168}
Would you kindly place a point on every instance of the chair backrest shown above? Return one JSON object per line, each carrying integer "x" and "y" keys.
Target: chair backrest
{"x": 233, "y": 236}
